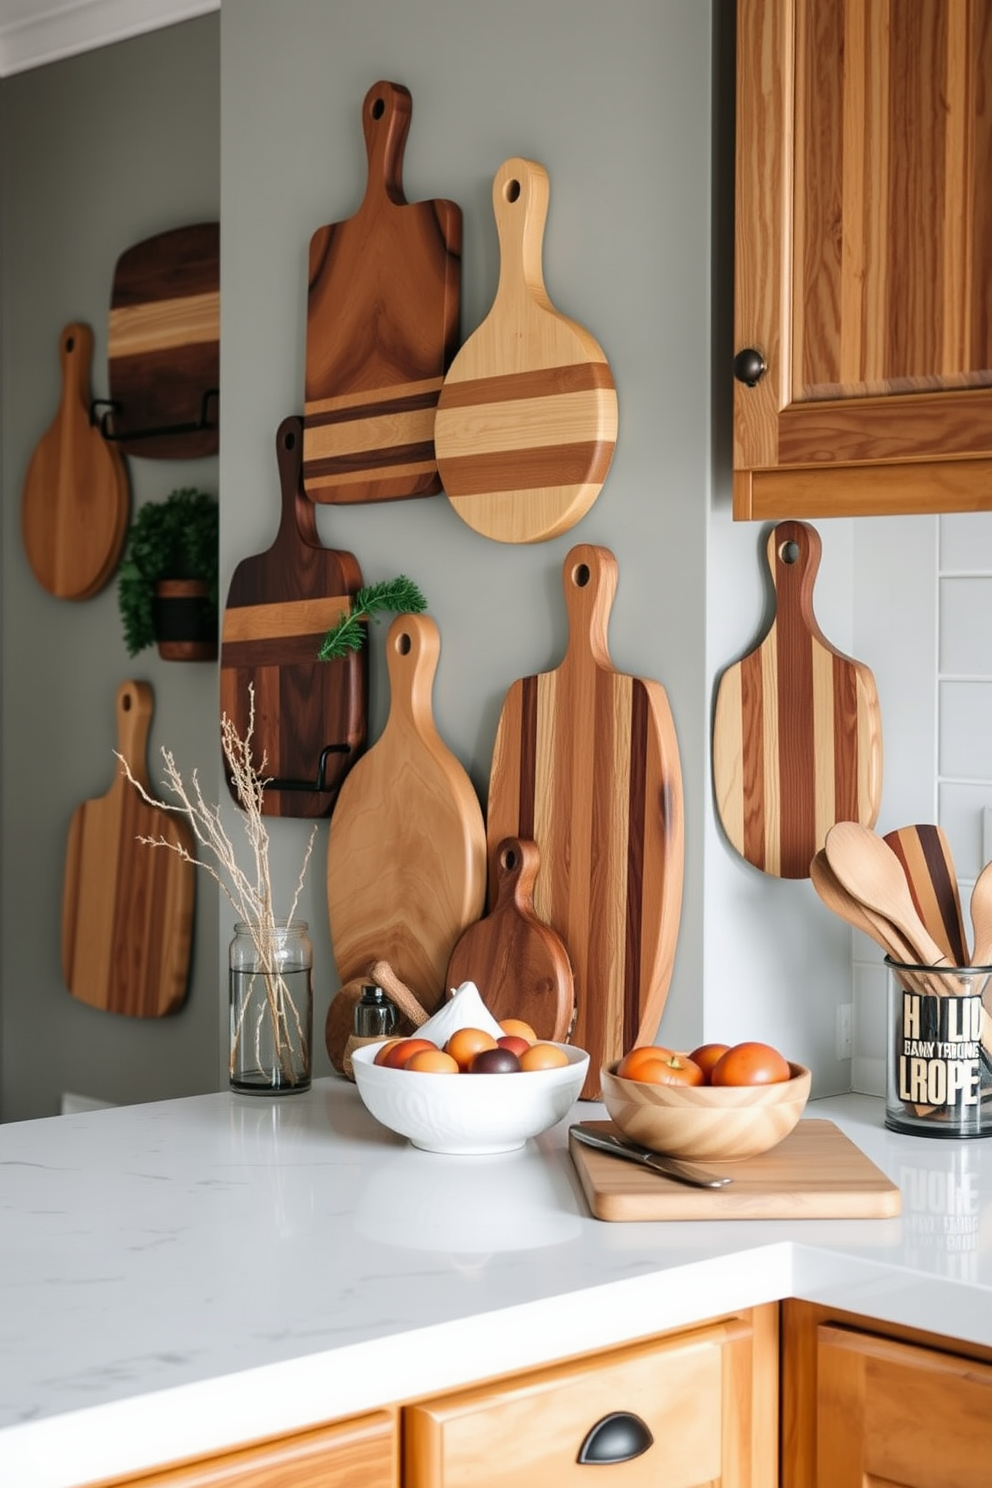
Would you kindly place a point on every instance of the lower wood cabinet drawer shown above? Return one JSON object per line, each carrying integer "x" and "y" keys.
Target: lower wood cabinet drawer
{"x": 689, "y": 1400}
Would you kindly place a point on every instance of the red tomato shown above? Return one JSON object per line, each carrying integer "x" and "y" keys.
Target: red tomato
{"x": 706, "y": 1057}
{"x": 751, "y": 1064}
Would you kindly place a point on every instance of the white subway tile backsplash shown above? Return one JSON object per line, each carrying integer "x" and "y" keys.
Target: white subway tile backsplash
{"x": 966, "y": 542}
{"x": 965, "y": 619}
{"x": 962, "y": 814}
{"x": 965, "y": 730}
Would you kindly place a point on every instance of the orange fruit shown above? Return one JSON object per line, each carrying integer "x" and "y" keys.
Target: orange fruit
{"x": 518, "y": 1027}
{"x": 397, "y": 1056}
{"x": 514, "y": 1043}
{"x": 639, "y": 1057}
{"x": 432, "y": 1062}
{"x": 383, "y": 1050}
{"x": 543, "y": 1057}
{"x": 465, "y": 1043}
{"x": 707, "y": 1055}
{"x": 751, "y": 1063}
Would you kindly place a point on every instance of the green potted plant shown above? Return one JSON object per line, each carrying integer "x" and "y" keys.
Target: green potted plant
{"x": 168, "y": 579}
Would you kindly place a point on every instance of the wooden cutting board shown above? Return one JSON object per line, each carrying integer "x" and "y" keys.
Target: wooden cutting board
{"x": 127, "y": 908}
{"x": 163, "y": 345}
{"x": 797, "y": 730}
{"x": 527, "y": 418}
{"x": 75, "y": 501}
{"x": 280, "y": 605}
{"x": 816, "y": 1172}
{"x": 406, "y": 852}
{"x": 925, "y": 854}
{"x": 518, "y": 963}
{"x": 383, "y": 311}
{"x": 586, "y": 764}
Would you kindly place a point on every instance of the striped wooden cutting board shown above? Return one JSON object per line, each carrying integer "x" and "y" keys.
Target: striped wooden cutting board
{"x": 163, "y": 345}
{"x": 797, "y": 732}
{"x": 586, "y": 764}
{"x": 382, "y": 326}
{"x": 527, "y": 418}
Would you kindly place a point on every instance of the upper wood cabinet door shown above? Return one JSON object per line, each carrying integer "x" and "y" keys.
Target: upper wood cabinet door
{"x": 863, "y": 257}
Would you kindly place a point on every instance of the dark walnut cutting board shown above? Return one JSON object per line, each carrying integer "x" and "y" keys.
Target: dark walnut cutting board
{"x": 382, "y": 326}
{"x": 310, "y": 715}
{"x": 527, "y": 418}
{"x": 816, "y": 1172}
{"x": 797, "y": 730}
{"x": 75, "y": 500}
{"x": 163, "y": 345}
{"x": 586, "y": 764}
{"x": 127, "y": 908}
{"x": 406, "y": 851}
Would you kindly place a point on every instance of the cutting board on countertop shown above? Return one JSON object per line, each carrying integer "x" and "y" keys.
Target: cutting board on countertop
{"x": 163, "y": 345}
{"x": 406, "y": 850}
{"x": 586, "y": 764}
{"x": 383, "y": 320}
{"x": 527, "y": 418}
{"x": 518, "y": 963}
{"x": 797, "y": 729}
{"x": 75, "y": 501}
{"x": 816, "y": 1172}
{"x": 310, "y": 715}
{"x": 127, "y": 907}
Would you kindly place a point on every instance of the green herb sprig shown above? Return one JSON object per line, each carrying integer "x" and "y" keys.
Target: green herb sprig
{"x": 400, "y": 595}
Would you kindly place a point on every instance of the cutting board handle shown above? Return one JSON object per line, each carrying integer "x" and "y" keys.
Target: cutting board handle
{"x": 518, "y": 862}
{"x": 794, "y": 549}
{"x": 134, "y": 716}
{"x": 298, "y": 520}
{"x": 385, "y": 123}
{"x": 521, "y": 191}
{"x": 413, "y": 647}
{"x": 75, "y": 359}
{"x": 589, "y": 576}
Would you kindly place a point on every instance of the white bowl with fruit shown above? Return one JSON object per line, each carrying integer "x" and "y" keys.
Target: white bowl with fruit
{"x": 467, "y": 1085}
{"x": 721, "y": 1103}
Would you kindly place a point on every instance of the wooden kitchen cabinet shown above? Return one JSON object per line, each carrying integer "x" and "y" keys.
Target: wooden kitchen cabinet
{"x": 707, "y": 1396}
{"x": 863, "y": 257}
{"x": 359, "y": 1453}
{"x": 865, "y": 1403}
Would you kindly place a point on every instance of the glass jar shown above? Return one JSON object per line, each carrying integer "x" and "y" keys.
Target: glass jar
{"x": 939, "y": 1062}
{"x": 271, "y": 994}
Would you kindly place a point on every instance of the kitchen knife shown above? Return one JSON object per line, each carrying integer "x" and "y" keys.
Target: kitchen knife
{"x": 668, "y": 1167}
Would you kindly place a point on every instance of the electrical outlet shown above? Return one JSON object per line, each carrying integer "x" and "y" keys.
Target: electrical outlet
{"x": 844, "y": 1013}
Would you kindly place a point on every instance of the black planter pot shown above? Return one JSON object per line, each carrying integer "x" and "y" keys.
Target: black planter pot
{"x": 184, "y": 620}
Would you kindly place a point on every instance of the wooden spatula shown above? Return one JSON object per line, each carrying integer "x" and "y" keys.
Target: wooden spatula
{"x": 925, "y": 855}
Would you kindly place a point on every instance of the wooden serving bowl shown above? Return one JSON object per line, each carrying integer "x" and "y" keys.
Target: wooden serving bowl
{"x": 706, "y": 1123}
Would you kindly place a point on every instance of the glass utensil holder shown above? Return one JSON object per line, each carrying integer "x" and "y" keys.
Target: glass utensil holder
{"x": 939, "y": 1059}
{"x": 271, "y": 996}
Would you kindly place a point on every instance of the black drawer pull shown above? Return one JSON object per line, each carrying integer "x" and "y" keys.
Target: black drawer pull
{"x": 749, "y": 366}
{"x": 616, "y": 1438}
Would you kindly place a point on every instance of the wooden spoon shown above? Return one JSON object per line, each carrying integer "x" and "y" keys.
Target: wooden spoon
{"x": 848, "y": 908}
{"x": 981, "y": 918}
{"x": 868, "y": 869}
{"x": 925, "y": 855}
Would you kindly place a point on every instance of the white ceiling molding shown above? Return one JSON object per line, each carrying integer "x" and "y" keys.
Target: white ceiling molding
{"x": 33, "y": 32}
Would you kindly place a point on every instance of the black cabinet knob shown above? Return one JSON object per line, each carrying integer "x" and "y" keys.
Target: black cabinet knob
{"x": 749, "y": 366}
{"x": 616, "y": 1438}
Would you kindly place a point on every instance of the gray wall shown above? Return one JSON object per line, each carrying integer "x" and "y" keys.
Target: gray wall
{"x": 98, "y": 152}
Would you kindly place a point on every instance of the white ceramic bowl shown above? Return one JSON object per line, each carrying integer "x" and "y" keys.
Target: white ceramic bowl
{"x": 468, "y": 1115}
{"x": 708, "y": 1123}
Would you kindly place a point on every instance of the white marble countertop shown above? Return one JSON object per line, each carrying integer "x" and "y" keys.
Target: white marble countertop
{"x": 182, "y": 1276}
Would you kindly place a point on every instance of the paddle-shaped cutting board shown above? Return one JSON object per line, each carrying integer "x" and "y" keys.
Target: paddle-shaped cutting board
{"x": 382, "y": 326}
{"x": 925, "y": 855}
{"x": 527, "y": 418}
{"x": 797, "y": 731}
{"x": 127, "y": 908}
{"x": 406, "y": 852}
{"x": 75, "y": 500}
{"x": 586, "y": 764}
{"x": 816, "y": 1172}
{"x": 310, "y": 715}
{"x": 163, "y": 345}
{"x": 518, "y": 963}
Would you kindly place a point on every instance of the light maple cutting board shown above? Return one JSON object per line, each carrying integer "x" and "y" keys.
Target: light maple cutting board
{"x": 382, "y": 326}
{"x": 406, "y": 852}
{"x": 586, "y": 764}
{"x": 75, "y": 500}
{"x": 127, "y": 908}
{"x": 310, "y": 715}
{"x": 816, "y": 1172}
{"x": 797, "y": 729}
{"x": 527, "y": 418}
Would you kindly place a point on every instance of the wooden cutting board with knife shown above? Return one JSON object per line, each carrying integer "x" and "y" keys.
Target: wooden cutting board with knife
{"x": 383, "y": 310}
{"x": 310, "y": 715}
{"x": 527, "y": 418}
{"x": 586, "y": 764}
{"x": 797, "y": 730}
{"x": 127, "y": 908}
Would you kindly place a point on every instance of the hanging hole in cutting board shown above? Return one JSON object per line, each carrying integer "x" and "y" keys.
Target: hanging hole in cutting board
{"x": 403, "y": 644}
{"x": 378, "y": 108}
{"x": 511, "y": 191}
{"x": 580, "y": 575}
{"x": 508, "y": 859}
{"x": 789, "y": 552}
